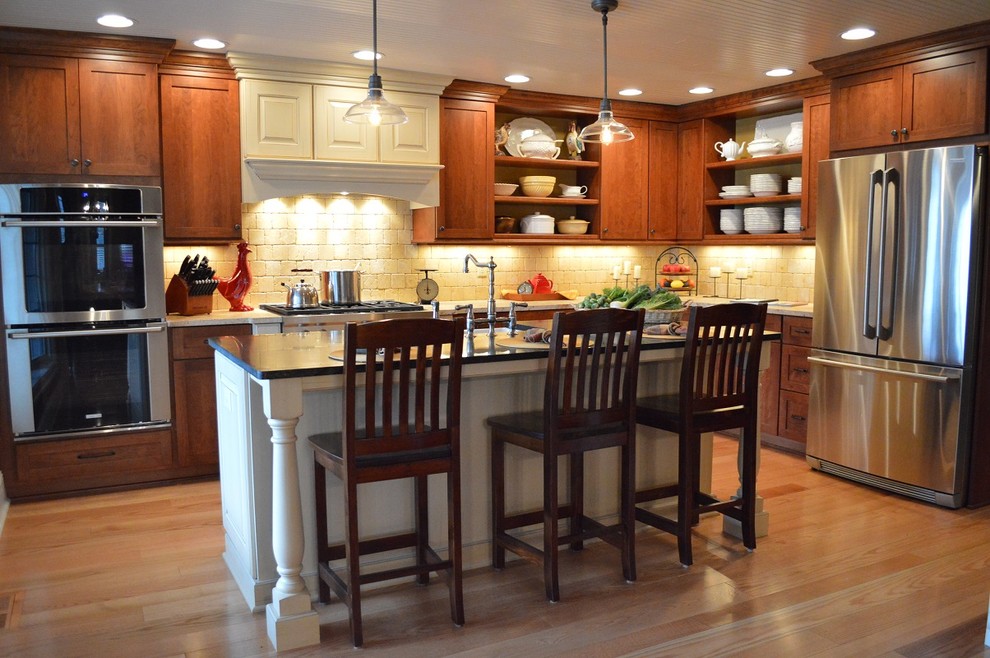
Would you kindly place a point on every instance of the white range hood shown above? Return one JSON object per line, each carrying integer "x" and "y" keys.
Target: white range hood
{"x": 293, "y": 140}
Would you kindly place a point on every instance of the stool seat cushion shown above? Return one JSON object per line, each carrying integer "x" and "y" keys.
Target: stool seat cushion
{"x": 331, "y": 444}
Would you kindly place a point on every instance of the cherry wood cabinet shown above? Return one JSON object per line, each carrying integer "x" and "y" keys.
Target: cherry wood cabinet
{"x": 201, "y": 174}
{"x": 625, "y": 185}
{"x": 74, "y": 116}
{"x": 663, "y": 166}
{"x": 933, "y": 98}
{"x": 194, "y": 395}
{"x": 817, "y": 130}
{"x": 784, "y": 421}
{"x": 467, "y": 194}
{"x": 770, "y": 381}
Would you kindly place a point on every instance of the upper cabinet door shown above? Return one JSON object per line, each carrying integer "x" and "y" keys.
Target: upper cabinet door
{"x": 416, "y": 141}
{"x": 39, "y": 122}
{"x": 624, "y": 194}
{"x": 866, "y": 109}
{"x": 334, "y": 138}
{"x": 663, "y": 181}
{"x": 277, "y": 119}
{"x": 945, "y": 96}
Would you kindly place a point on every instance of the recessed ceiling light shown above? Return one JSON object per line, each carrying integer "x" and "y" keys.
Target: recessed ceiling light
{"x": 517, "y": 78}
{"x": 857, "y": 33}
{"x": 701, "y": 90}
{"x": 779, "y": 73}
{"x": 114, "y": 20}
{"x": 632, "y": 91}
{"x": 366, "y": 55}
{"x": 209, "y": 44}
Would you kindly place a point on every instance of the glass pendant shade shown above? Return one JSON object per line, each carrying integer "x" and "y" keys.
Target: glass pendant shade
{"x": 375, "y": 110}
{"x": 606, "y": 130}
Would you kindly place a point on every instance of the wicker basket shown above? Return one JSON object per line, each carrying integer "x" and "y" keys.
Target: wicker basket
{"x": 664, "y": 317}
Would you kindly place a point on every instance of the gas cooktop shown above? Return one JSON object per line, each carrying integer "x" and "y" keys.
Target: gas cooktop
{"x": 357, "y": 307}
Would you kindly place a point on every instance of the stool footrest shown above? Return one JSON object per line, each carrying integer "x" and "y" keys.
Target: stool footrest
{"x": 523, "y": 519}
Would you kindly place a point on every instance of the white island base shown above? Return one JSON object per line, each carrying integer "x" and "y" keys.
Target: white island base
{"x": 266, "y": 473}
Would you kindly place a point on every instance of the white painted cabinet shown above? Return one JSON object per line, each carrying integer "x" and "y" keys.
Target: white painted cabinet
{"x": 306, "y": 121}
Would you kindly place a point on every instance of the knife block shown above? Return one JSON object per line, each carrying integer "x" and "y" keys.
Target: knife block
{"x": 178, "y": 300}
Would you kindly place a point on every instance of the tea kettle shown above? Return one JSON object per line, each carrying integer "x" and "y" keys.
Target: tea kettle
{"x": 301, "y": 295}
{"x": 541, "y": 284}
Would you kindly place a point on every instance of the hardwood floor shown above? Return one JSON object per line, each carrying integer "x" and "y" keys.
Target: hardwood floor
{"x": 846, "y": 571}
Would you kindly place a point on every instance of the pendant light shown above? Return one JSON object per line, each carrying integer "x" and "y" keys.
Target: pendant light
{"x": 606, "y": 130}
{"x": 375, "y": 110}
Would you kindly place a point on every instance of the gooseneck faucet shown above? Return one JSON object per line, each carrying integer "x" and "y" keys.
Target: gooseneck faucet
{"x": 490, "y": 316}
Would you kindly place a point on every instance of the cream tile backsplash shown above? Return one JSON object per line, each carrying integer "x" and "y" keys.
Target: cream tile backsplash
{"x": 374, "y": 235}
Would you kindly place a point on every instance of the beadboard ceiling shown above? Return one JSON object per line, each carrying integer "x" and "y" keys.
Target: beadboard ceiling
{"x": 663, "y": 47}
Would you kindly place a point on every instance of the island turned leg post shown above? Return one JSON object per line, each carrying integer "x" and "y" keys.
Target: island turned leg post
{"x": 292, "y": 622}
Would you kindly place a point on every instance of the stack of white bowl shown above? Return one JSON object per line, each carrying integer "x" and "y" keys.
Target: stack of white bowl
{"x": 794, "y": 185}
{"x": 735, "y": 191}
{"x": 763, "y": 219}
{"x": 792, "y": 219}
{"x": 765, "y": 184}
{"x": 731, "y": 220}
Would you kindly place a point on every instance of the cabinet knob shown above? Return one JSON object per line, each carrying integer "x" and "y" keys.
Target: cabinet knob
{"x": 605, "y": 230}
{"x": 893, "y": 133}
{"x": 87, "y": 162}
{"x": 904, "y": 131}
{"x": 74, "y": 162}
{"x": 442, "y": 228}
{"x": 237, "y": 227}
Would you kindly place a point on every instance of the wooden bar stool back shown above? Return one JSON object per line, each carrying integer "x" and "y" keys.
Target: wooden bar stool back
{"x": 588, "y": 404}
{"x": 401, "y": 419}
{"x": 718, "y": 391}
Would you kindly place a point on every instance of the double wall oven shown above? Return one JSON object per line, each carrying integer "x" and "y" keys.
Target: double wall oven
{"x": 83, "y": 309}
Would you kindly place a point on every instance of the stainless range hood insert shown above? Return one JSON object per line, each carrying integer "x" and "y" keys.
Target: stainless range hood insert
{"x": 293, "y": 141}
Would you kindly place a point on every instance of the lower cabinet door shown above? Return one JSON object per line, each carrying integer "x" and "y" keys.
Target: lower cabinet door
{"x": 792, "y": 423}
{"x": 195, "y": 412}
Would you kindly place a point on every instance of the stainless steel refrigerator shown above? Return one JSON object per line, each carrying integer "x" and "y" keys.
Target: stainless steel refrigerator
{"x": 896, "y": 303}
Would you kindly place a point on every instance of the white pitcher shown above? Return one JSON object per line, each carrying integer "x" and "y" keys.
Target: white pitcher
{"x": 729, "y": 149}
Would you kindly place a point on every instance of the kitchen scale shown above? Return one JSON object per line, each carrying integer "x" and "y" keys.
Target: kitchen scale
{"x": 427, "y": 289}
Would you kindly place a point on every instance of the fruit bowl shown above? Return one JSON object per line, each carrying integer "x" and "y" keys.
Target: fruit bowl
{"x": 537, "y": 186}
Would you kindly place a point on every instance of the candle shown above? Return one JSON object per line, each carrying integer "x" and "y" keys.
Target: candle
{"x": 730, "y": 266}
{"x": 715, "y": 272}
{"x": 637, "y": 271}
{"x": 742, "y": 273}
{"x": 625, "y": 267}
{"x": 615, "y": 272}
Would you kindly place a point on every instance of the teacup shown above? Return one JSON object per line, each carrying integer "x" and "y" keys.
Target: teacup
{"x": 573, "y": 190}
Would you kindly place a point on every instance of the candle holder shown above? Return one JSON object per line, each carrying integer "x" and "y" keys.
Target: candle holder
{"x": 715, "y": 278}
{"x": 636, "y": 281}
{"x": 727, "y": 270}
{"x": 740, "y": 277}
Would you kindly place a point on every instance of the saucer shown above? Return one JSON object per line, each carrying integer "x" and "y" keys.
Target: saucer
{"x": 571, "y": 196}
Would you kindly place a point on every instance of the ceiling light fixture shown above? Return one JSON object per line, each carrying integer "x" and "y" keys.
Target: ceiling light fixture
{"x": 209, "y": 44}
{"x": 375, "y": 109}
{"x": 779, "y": 73}
{"x": 630, "y": 92}
{"x": 606, "y": 130}
{"x": 114, "y": 20}
{"x": 517, "y": 78}
{"x": 700, "y": 90}
{"x": 366, "y": 55}
{"x": 857, "y": 33}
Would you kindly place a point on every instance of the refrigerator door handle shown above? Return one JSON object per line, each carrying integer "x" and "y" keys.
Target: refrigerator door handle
{"x": 890, "y": 221}
{"x": 941, "y": 379}
{"x": 869, "y": 328}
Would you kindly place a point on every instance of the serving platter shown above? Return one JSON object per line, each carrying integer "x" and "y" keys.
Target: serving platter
{"x": 523, "y": 127}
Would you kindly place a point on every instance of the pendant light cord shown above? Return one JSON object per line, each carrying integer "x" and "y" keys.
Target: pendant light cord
{"x": 605, "y": 48}
{"x": 374, "y": 36}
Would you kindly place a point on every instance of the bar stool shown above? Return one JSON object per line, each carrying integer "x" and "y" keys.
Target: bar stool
{"x": 718, "y": 391}
{"x": 588, "y": 404}
{"x": 402, "y": 423}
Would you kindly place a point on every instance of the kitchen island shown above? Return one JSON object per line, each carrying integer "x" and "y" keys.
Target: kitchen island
{"x": 272, "y": 389}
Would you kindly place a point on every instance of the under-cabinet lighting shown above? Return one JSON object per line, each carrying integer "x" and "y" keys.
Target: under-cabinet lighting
{"x": 114, "y": 20}
{"x": 700, "y": 90}
{"x": 517, "y": 78}
{"x": 857, "y": 33}
{"x": 631, "y": 91}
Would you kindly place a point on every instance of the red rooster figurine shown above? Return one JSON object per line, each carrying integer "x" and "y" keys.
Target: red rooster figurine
{"x": 237, "y": 286}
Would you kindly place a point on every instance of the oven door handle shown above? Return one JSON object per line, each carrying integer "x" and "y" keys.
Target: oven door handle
{"x": 26, "y": 335}
{"x": 54, "y": 223}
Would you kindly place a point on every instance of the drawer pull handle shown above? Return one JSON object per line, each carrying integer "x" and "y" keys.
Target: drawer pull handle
{"x": 803, "y": 371}
{"x": 803, "y": 332}
{"x": 798, "y": 418}
{"x": 96, "y": 455}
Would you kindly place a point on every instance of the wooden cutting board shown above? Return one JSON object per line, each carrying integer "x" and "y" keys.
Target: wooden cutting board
{"x": 539, "y": 297}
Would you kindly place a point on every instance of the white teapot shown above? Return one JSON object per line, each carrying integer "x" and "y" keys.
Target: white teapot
{"x": 729, "y": 149}
{"x": 539, "y": 146}
{"x": 763, "y": 146}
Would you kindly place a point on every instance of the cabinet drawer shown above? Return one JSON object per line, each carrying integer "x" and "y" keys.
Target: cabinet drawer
{"x": 797, "y": 331}
{"x": 190, "y": 342}
{"x": 794, "y": 373}
{"x": 793, "y": 420}
{"x": 98, "y": 457}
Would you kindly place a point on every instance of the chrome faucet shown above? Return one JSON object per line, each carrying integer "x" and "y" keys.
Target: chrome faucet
{"x": 490, "y": 316}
